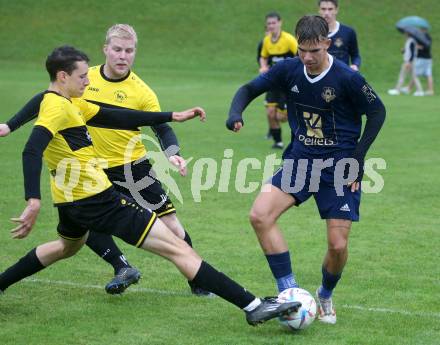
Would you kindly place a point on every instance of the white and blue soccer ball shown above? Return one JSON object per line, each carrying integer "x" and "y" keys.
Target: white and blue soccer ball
{"x": 304, "y": 317}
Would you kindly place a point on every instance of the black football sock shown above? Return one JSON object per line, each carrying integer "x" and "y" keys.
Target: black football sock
{"x": 276, "y": 134}
{"x": 187, "y": 239}
{"x": 104, "y": 246}
{"x": 25, "y": 267}
{"x": 209, "y": 279}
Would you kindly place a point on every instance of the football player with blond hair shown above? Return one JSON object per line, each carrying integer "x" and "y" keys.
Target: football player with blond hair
{"x": 113, "y": 84}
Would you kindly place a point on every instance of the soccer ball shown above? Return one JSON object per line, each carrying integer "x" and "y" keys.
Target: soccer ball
{"x": 305, "y": 315}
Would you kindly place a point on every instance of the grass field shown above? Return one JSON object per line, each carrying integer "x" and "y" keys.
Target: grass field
{"x": 389, "y": 293}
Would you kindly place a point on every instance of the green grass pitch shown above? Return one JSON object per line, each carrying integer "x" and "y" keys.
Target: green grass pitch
{"x": 200, "y": 52}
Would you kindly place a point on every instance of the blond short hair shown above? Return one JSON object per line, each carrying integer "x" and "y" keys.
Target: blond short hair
{"x": 123, "y": 31}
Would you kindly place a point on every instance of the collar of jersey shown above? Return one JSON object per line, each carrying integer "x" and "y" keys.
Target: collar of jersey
{"x": 58, "y": 94}
{"x": 101, "y": 71}
{"x": 331, "y": 34}
{"x": 323, "y": 73}
{"x": 275, "y": 42}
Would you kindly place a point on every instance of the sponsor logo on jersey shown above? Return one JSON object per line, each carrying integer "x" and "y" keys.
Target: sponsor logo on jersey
{"x": 314, "y": 125}
{"x": 314, "y": 135}
{"x": 310, "y": 141}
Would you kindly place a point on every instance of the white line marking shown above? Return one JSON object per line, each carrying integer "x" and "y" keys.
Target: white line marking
{"x": 392, "y": 311}
{"x": 187, "y": 294}
{"x": 99, "y": 287}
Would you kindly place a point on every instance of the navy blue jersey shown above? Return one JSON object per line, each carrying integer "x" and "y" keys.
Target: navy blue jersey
{"x": 324, "y": 113}
{"x": 344, "y": 45}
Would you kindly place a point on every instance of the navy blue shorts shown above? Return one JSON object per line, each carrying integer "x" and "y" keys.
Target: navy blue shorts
{"x": 334, "y": 199}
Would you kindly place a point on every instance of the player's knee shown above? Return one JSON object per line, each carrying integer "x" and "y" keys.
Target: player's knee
{"x": 69, "y": 249}
{"x": 186, "y": 248}
{"x": 182, "y": 249}
{"x": 174, "y": 225}
{"x": 258, "y": 218}
{"x": 272, "y": 113}
{"x": 338, "y": 247}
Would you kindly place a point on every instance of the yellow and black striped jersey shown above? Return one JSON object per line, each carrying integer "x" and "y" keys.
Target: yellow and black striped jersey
{"x": 129, "y": 92}
{"x": 286, "y": 46}
{"x": 70, "y": 156}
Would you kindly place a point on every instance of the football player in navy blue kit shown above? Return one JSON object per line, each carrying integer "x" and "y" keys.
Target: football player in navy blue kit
{"x": 325, "y": 102}
{"x": 344, "y": 44}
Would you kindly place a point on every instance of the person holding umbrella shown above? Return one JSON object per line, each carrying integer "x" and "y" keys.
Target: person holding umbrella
{"x": 407, "y": 68}
{"x": 423, "y": 61}
{"x": 413, "y": 21}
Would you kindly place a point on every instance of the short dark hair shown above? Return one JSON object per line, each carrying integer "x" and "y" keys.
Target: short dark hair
{"x": 63, "y": 59}
{"x": 311, "y": 28}
{"x": 334, "y": 2}
{"x": 273, "y": 15}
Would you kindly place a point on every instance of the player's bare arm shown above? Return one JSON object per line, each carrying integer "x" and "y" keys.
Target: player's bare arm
{"x": 27, "y": 219}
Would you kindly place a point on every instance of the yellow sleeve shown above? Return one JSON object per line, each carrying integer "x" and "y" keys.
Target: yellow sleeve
{"x": 149, "y": 100}
{"x": 87, "y": 109}
{"x": 293, "y": 45}
{"x": 264, "y": 52}
{"x": 52, "y": 115}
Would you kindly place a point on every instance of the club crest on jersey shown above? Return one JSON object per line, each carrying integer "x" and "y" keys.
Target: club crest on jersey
{"x": 120, "y": 96}
{"x": 328, "y": 94}
{"x": 339, "y": 42}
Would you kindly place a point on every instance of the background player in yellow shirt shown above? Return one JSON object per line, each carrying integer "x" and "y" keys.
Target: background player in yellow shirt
{"x": 114, "y": 85}
{"x": 277, "y": 46}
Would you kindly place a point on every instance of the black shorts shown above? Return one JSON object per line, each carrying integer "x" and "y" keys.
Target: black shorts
{"x": 276, "y": 98}
{"x": 108, "y": 212}
{"x": 153, "y": 196}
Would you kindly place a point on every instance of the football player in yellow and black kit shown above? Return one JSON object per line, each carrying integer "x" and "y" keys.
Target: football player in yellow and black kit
{"x": 277, "y": 46}
{"x": 114, "y": 85}
{"x": 87, "y": 201}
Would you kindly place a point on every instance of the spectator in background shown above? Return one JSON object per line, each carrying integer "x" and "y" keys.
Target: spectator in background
{"x": 423, "y": 64}
{"x": 344, "y": 44}
{"x": 407, "y": 69}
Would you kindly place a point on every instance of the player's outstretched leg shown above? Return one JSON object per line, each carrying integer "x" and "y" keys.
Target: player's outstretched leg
{"x": 39, "y": 258}
{"x": 160, "y": 240}
{"x": 173, "y": 223}
{"x": 124, "y": 275}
